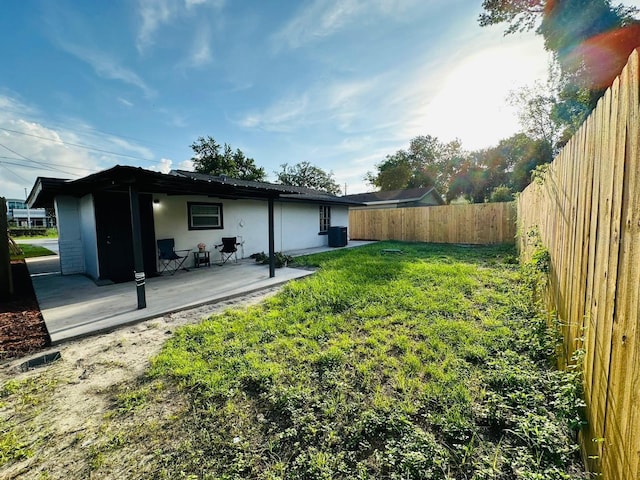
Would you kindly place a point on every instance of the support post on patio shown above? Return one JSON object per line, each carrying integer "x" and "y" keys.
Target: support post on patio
{"x": 272, "y": 258}
{"x": 136, "y": 234}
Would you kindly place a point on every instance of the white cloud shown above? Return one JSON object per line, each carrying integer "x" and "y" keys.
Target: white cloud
{"x": 200, "y": 54}
{"x": 164, "y": 166}
{"x": 133, "y": 148}
{"x": 185, "y": 165}
{"x": 323, "y": 18}
{"x": 153, "y": 13}
{"x": 337, "y": 103}
{"x": 38, "y": 151}
{"x": 107, "y": 67}
{"x": 282, "y": 116}
{"x": 193, "y": 3}
{"x": 125, "y": 102}
{"x": 29, "y": 149}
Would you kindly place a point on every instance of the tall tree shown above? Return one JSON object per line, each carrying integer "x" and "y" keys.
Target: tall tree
{"x": 536, "y": 106}
{"x": 213, "y": 159}
{"x": 516, "y": 157}
{"x": 304, "y": 174}
{"x": 426, "y": 163}
{"x": 472, "y": 180}
{"x": 577, "y": 32}
{"x": 509, "y": 165}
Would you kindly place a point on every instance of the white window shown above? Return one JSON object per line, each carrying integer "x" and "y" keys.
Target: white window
{"x": 205, "y": 216}
{"x": 325, "y": 218}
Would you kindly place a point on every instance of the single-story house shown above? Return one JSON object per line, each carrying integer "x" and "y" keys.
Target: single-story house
{"x": 109, "y": 222}
{"x": 410, "y": 197}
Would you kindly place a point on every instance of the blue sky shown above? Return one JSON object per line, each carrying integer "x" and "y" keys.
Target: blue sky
{"x": 86, "y": 85}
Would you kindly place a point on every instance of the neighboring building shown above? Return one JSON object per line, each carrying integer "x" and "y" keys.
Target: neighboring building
{"x": 20, "y": 215}
{"x": 410, "y": 197}
{"x": 96, "y": 223}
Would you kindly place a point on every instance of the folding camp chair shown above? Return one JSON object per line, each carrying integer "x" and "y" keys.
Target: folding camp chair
{"x": 227, "y": 249}
{"x": 171, "y": 260}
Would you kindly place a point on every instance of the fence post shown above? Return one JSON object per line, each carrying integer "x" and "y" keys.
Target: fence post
{"x": 6, "y": 283}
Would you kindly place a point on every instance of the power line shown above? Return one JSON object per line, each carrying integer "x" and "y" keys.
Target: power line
{"x": 80, "y": 145}
{"x": 34, "y": 161}
{"x": 84, "y": 132}
{"x": 14, "y": 173}
{"x": 24, "y": 165}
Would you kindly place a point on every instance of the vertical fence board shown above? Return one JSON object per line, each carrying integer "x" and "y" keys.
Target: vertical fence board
{"x": 619, "y": 425}
{"x": 588, "y": 215}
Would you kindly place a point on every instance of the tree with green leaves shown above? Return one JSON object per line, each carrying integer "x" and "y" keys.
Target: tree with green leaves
{"x": 472, "y": 181}
{"x": 518, "y": 156}
{"x": 480, "y": 174}
{"x": 574, "y": 31}
{"x": 427, "y": 162}
{"x": 304, "y": 174}
{"x": 501, "y": 193}
{"x": 536, "y": 107}
{"x": 213, "y": 159}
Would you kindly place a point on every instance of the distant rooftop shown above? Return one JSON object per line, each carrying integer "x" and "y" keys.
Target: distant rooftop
{"x": 395, "y": 196}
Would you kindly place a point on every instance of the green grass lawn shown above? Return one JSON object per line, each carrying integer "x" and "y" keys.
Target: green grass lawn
{"x": 29, "y": 251}
{"x": 429, "y": 364}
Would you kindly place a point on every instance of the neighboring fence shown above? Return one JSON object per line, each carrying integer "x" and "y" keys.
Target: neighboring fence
{"x": 480, "y": 223}
{"x": 587, "y": 213}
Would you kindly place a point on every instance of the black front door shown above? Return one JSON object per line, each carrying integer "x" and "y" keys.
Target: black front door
{"x": 115, "y": 243}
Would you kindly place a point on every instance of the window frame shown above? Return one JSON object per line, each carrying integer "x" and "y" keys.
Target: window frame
{"x": 190, "y": 225}
{"x": 325, "y": 219}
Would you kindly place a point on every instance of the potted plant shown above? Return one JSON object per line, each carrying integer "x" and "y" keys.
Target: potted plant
{"x": 201, "y": 247}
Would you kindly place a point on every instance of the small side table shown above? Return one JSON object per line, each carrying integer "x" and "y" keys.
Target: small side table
{"x": 201, "y": 259}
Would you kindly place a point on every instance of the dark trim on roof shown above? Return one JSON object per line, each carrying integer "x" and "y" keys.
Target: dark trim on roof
{"x": 177, "y": 182}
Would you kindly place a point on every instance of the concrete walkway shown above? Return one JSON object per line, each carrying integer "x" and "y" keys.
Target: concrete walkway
{"x": 74, "y": 306}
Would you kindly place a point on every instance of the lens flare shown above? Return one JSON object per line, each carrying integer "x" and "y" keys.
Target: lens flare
{"x": 600, "y": 59}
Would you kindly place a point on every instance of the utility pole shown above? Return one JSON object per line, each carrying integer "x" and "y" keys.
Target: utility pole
{"x": 27, "y": 205}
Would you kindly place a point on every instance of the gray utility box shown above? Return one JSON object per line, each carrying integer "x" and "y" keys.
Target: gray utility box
{"x": 337, "y": 236}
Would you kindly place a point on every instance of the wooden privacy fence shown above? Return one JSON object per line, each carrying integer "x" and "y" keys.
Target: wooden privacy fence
{"x": 482, "y": 223}
{"x": 587, "y": 213}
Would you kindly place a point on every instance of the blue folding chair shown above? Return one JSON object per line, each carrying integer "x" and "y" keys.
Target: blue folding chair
{"x": 171, "y": 260}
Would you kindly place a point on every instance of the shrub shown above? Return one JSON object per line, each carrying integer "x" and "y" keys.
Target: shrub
{"x": 501, "y": 194}
{"x": 281, "y": 260}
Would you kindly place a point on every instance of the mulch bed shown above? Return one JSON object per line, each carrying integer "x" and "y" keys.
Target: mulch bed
{"x": 22, "y": 328}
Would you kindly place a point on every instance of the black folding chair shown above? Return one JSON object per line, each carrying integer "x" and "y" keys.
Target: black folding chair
{"x": 227, "y": 249}
{"x": 171, "y": 260}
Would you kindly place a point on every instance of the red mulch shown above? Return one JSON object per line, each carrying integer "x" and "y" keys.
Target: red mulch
{"x": 22, "y": 328}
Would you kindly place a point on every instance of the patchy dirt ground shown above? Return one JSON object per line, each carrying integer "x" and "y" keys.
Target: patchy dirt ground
{"x": 61, "y": 408}
{"x": 22, "y": 328}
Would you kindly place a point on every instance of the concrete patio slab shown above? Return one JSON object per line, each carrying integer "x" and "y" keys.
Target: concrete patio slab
{"x": 74, "y": 306}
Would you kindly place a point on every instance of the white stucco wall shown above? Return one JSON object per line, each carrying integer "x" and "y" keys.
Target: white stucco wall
{"x": 69, "y": 235}
{"x": 296, "y": 224}
{"x": 340, "y": 217}
{"x": 297, "y": 227}
{"x": 88, "y": 236}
